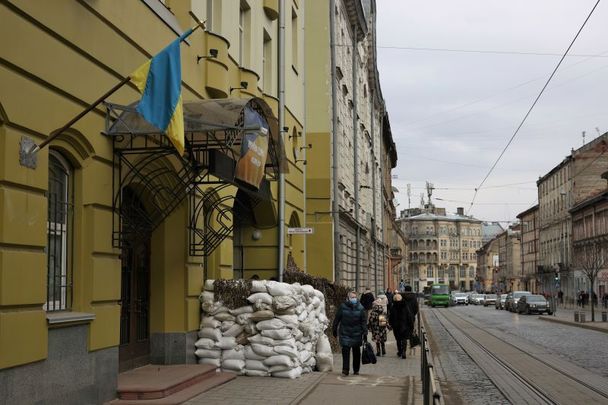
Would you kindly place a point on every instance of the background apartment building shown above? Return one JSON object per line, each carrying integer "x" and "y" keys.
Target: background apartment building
{"x": 442, "y": 249}
{"x": 509, "y": 260}
{"x": 353, "y": 151}
{"x": 488, "y": 265}
{"x": 529, "y": 248}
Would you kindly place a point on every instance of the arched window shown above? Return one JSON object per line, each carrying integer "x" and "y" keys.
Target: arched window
{"x": 59, "y": 233}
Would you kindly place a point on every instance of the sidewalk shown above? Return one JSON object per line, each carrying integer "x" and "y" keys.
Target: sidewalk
{"x": 390, "y": 381}
{"x": 566, "y": 316}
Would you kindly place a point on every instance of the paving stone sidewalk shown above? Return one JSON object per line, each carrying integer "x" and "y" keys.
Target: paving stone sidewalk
{"x": 566, "y": 316}
{"x": 390, "y": 381}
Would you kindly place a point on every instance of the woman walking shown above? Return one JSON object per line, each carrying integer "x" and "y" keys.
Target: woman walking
{"x": 402, "y": 317}
{"x": 351, "y": 324}
{"x": 378, "y": 324}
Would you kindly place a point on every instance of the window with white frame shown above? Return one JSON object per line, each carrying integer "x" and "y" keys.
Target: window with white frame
{"x": 429, "y": 272}
{"x": 59, "y": 228}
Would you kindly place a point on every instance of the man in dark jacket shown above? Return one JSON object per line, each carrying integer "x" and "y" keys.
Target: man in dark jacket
{"x": 351, "y": 322}
{"x": 402, "y": 318}
{"x": 367, "y": 299}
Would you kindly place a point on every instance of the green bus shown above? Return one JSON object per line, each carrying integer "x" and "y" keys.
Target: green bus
{"x": 440, "y": 295}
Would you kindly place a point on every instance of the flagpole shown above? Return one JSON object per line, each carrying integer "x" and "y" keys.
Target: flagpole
{"x": 91, "y": 106}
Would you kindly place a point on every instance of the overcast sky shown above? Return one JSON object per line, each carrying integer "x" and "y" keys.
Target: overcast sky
{"x": 452, "y": 113}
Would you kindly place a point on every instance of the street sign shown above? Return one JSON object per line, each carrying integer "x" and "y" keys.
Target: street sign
{"x": 299, "y": 231}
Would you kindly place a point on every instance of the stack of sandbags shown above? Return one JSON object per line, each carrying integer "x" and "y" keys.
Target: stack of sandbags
{"x": 277, "y": 334}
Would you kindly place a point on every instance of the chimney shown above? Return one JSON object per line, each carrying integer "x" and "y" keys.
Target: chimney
{"x": 460, "y": 211}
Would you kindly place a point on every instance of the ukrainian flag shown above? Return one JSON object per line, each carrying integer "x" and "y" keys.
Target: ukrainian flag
{"x": 160, "y": 82}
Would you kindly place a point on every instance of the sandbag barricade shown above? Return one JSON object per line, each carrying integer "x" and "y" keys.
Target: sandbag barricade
{"x": 280, "y": 332}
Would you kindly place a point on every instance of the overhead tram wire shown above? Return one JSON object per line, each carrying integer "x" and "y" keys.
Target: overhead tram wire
{"x": 487, "y": 51}
{"x": 531, "y": 107}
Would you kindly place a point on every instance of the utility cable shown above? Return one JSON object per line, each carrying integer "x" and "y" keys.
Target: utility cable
{"x": 531, "y": 107}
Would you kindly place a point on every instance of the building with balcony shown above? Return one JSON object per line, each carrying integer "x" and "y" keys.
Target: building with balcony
{"x": 529, "y": 249}
{"x": 509, "y": 272}
{"x": 488, "y": 266}
{"x": 107, "y": 236}
{"x": 442, "y": 249}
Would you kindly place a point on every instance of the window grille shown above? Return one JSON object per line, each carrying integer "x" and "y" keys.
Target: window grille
{"x": 59, "y": 229}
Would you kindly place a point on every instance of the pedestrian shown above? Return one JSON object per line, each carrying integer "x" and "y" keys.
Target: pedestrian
{"x": 401, "y": 285}
{"x": 367, "y": 300}
{"x": 560, "y": 296}
{"x": 378, "y": 324}
{"x": 402, "y": 318}
{"x": 389, "y": 297}
{"x": 350, "y": 324}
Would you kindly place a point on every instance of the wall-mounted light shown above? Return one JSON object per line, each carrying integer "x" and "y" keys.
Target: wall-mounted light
{"x": 212, "y": 55}
{"x": 256, "y": 234}
{"x": 243, "y": 87}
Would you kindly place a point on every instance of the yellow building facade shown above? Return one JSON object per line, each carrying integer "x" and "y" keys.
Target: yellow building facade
{"x": 81, "y": 290}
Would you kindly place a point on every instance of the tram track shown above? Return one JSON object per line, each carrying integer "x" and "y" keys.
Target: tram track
{"x": 521, "y": 376}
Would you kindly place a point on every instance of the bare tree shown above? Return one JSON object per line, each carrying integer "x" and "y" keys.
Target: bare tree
{"x": 590, "y": 258}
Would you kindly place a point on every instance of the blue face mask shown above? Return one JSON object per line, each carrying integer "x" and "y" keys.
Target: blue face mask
{"x": 353, "y": 301}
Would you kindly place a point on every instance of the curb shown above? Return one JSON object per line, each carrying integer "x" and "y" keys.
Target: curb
{"x": 308, "y": 389}
{"x": 579, "y": 325}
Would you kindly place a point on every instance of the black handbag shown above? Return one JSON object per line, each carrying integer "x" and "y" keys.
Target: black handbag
{"x": 368, "y": 356}
{"x": 415, "y": 340}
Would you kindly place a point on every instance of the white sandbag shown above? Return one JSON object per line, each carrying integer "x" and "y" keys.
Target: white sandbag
{"x": 291, "y": 342}
{"x": 297, "y": 334}
{"x": 262, "y": 350}
{"x": 318, "y": 294}
{"x": 275, "y": 288}
{"x": 325, "y": 362}
{"x": 308, "y": 289}
{"x": 226, "y": 325}
{"x": 276, "y": 369}
{"x": 293, "y": 373}
{"x": 226, "y": 342}
{"x": 309, "y": 346}
{"x": 283, "y": 302}
{"x": 306, "y": 369}
{"x": 247, "y": 309}
{"x": 255, "y": 365}
{"x": 210, "y": 322}
{"x": 307, "y": 328}
{"x": 234, "y": 365}
{"x": 206, "y": 360}
{"x": 323, "y": 319}
{"x": 261, "y": 315}
{"x": 255, "y": 373}
{"x": 242, "y": 319}
{"x": 251, "y": 355}
{"x": 296, "y": 288}
{"x": 278, "y": 360}
{"x": 261, "y": 306}
{"x": 224, "y": 316}
{"x": 238, "y": 353}
{"x": 303, "y": 315}
{"x": 258, "y": 286}
{"x": 300, "y": 308}
{"x": 260, "y": 297}
{"x": 234, "y": 330}
{"x": 304, "y": 355}
{"x": 208, "y": 353}
{"x": 270, "y": 324}
{"x": 210, "y": 333}
{"x": 291, "y": 320}
{"x": 263, "y": 340}
{"x": 205, "y": 343}
{"x": 278, "y": 334}
{"x": 316, "y": 302}
{"x": 209, "y": 285}
{"x": 323, "y": 346}
{"x": 206, "y": 296}
{"x": 219, "y": 309}
{"x": 288, "y": 311}
{"x": 288, "y": 351}
{"x": 211, "y": 307}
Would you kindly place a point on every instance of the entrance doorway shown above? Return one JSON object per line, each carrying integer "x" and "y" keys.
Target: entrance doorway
{"x": 134, "y": 350}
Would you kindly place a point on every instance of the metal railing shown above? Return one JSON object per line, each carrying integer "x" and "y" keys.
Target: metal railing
{"x": 431, "y": 391}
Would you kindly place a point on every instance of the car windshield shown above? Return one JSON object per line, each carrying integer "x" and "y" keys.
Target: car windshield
{"x": 440, "y": 289}
{"x": 491, "y": 296}
{"x": 520, "y": 294}
{"x": 535, "y": 298}
{"x": 461, "y": 295}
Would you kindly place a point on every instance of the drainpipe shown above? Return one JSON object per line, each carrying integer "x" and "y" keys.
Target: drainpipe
{"x": 281, "y": 91}
{"x": 334, "y": 122}
{"x": 372, "y": 112}
{"x": 304, "y": 260}
{"x": 355, "y": 163}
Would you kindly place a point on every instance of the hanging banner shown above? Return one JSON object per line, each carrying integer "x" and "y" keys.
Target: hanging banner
{"x": 251, "y": 166}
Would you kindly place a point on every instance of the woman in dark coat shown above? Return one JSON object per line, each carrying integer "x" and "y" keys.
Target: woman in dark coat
{"x": 402, "y": 318}
{"x": 351, "y": 322}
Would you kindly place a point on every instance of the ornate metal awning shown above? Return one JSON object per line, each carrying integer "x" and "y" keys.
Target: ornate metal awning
{"x": 219, "y": 134}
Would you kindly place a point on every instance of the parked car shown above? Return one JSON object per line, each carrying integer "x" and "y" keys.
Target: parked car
{"x": 508, "y": 301}
{"x": 476, "y": 299}
{"x": 460, "y": 299}
{"x": 516, "y": 296}
{"x": 529, "y": 304}
{"x": 500, "y": 302}
{"x": 489, "y": 299}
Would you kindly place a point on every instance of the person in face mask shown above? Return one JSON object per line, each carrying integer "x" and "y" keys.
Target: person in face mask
{"x": 351, "y": 324}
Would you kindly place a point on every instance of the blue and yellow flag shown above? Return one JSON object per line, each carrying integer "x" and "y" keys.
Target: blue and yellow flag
{"x": 160, "y": 82}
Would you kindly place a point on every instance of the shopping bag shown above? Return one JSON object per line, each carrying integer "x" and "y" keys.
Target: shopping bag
{"x": 415, "y": 340}
{"x": 368, "y": 356}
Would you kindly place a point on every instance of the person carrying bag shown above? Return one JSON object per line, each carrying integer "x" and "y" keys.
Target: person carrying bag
{"x": 350, "y": 324}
